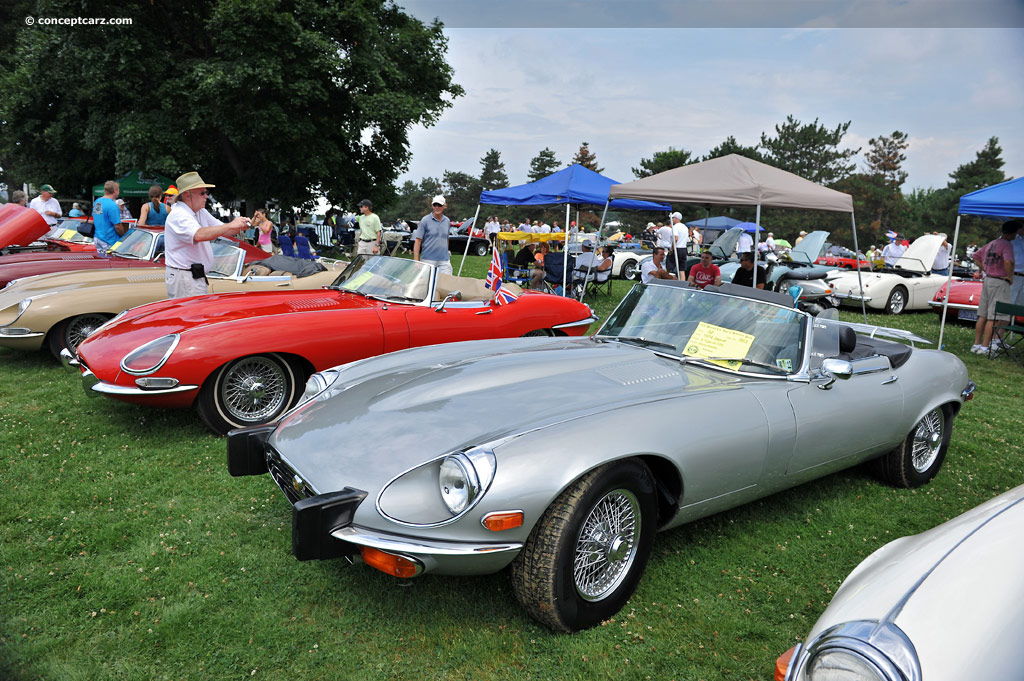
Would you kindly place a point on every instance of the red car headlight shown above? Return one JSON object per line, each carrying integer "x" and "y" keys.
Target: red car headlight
{"x": 151, "y": 356}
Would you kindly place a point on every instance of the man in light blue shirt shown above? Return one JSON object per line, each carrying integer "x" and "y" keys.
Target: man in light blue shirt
{"x": 431, "y": 238}
{"x": 106, "y": 216}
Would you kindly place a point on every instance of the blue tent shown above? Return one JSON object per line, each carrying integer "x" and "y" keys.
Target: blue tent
{"x": 718, "y": 222}
{"x": 575, "y": 184}
{"x": 1003, "y": 200}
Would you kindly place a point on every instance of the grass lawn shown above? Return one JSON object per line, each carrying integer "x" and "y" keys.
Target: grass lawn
{"x": 128, "y": 552}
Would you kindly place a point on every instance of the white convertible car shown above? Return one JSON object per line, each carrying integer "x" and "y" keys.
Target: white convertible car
{"x": 910, "y": 285}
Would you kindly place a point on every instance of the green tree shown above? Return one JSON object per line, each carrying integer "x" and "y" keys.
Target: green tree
{"x": 810, "y": 150}
{"x": 731, "y": 146}
{"x": 493, "y": 175}
{"x": 587, "y": 158}
{"x": 662, "y": 161}
{"x": 877, "y": 194}
{"x": 885, "y": 158}
{"x": 543, "y": 164}
{"x": 461, "y": 193}
{"x": 268, "y": 99}
{"x": 984, "y": 171}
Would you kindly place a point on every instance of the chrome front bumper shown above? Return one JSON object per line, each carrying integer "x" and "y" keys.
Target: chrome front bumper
{"x": 441, "y": 557}
{"x": 93, "y": 386}
{"x": 852, "y": 296}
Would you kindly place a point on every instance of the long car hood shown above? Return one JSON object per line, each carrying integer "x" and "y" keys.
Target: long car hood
{"x": 412, "y": 406}
{"x": 954, "y": 590}
{"x": 77, "y": 279}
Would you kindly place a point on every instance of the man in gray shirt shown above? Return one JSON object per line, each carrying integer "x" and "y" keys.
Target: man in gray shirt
{"x": 431, "y": 238}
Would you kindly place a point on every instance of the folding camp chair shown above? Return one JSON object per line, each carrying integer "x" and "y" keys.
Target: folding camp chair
{"x": 596, "y": 283}
{"x": 554, "y": 267}
{"x": 511, "y": 272}
{"x": 285, "y": 242}
{"x": 303, "y": 248}
{"x": 1007, "y": 339}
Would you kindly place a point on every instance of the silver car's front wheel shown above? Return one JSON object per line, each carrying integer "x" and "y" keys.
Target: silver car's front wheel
{"x": 919, "y": 457}
{"x": 586, "y": 554}
{"x": 248, "y": 391}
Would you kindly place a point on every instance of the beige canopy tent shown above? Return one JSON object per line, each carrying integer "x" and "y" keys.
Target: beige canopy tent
{"x": 737, "y": 180}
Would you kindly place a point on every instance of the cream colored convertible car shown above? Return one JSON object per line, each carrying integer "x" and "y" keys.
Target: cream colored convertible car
{"x": 62, "y": 309}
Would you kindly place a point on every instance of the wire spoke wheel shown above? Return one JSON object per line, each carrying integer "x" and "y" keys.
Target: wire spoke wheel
{"x": 927, "y": 441}
{"x": 81, "y": 327}
{"x": 253, "y": 389}
{"x": 606, "y": 545}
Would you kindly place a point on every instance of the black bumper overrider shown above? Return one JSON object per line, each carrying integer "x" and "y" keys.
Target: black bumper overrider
{"x": 247, "y": 450}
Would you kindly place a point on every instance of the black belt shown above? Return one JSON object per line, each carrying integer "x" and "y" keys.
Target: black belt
{"x": 367, "y": 241}
{"x": 180, "y": 269}
{"x": 1018, "y": 274}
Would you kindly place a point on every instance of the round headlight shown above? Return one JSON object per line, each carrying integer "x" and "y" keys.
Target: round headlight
{"x": 317, "y": 383}
{"x": 458, "y": 483}
{"x": 842, "y": 665}
{"x": 151, "y": 356}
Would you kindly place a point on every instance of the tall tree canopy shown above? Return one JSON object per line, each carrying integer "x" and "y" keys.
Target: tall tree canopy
{"x": 586, "y": 158}
{"x": 267, "y": 98}
{"x": 492, "y": 173}
{"x": 810, "y": 150}
{"x": 543, "y": 164}
{"x": 731, "y": 146}
{"x": 662, "y": 161}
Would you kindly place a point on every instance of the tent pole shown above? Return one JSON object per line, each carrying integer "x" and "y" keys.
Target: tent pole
{"x": 672, "y": 244}
{"x": 565, "y": 251}
{"x": 949, "y": 281}
{"x": 757, "y": 235}
{"x": 860, "y": 283}
{"x": 600, "y": 230}
{"x": 469, "y": 238}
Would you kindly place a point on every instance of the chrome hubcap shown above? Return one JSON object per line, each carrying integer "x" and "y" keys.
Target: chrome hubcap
{"x": 81, "y": 328}
{"x": 253, "y": 389}
{"x": 607, "y": 544}
{"x": 927, "y": 441}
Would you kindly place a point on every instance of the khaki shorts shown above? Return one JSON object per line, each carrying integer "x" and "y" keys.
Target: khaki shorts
{"x": 993, "y": 290}
{"x": 365, "y": 247}
{"x": 180, "y": 284}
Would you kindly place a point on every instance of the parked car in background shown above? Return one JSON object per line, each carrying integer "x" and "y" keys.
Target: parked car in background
{"x": 721, "y": 251}
{"x": 478, "y": 245}
{"x": 242, "y": 359}
{"x": 847, "y": 261}
{"x": 964, "y": 294}
{"x": 552, "y": 488}
{"x": 909, "y": 285}
{"x": 795, "y": 268}
{"x": 944, "y": 605}
{"x": 59, "y": 310}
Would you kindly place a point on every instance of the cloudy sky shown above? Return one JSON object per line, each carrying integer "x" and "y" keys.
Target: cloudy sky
{"x": 633, "y": 77}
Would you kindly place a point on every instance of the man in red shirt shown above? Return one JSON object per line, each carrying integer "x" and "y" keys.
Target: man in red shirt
{"x": 704, "y": 272}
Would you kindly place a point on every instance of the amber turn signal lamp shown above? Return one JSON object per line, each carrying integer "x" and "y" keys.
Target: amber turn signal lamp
{"x": 396, "y": 566}
{"x": 782, "y": 664}
{"x": 503, "y": 520}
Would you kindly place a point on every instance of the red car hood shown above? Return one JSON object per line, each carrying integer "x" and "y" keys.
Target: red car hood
{"x": 20, "y": 226}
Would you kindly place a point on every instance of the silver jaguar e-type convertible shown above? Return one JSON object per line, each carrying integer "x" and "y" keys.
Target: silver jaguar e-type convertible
{"x": 508, "y": 454}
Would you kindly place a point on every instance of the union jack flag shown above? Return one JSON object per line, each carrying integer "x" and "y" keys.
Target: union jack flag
{"x": 504, "y": 296}
{"x": 493, "y": 280}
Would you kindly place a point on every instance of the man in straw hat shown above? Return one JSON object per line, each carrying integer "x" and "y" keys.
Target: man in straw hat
{"x": 187, "y": 235}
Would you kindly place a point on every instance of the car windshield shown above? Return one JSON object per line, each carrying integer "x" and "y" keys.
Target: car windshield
{"x": 67, "y": 230}
{"x": 137, "y": 243}
{"x": 703, "y": 326}
{"x": 227, "y": 259}
{"x": 388, "y": 278}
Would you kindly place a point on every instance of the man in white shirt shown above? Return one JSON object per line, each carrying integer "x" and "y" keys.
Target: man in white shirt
{"x": 696, "y": 238}
{"x": 892, "y": 252}
{"x": 187, "y": 235}
{"x": 680, "y": 238}
{"x": 664, "y": 233}
{"x": 46, "y": 205}
{"x": 491, "y": 229}
{"x": 745, "y": 243}
{"x": 770, "y": 242}
{"x": 545, "y": 229}
{"x": 941, "y": 264}
{"x": 654, "y": 268}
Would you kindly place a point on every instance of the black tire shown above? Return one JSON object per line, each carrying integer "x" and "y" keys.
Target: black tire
{"x": 919, "y": 457}
{"x": 629, "y": 270}
{"x": 538, "y": 332}
{"x": 897, "y": 302}
{"x": 72, "y": 331}
{"x": 480, "y": 249}
{"x": 248, "y": 391}
{"x": 594, "y": 522}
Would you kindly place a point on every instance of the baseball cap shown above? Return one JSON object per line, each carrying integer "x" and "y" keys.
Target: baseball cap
{"x": 677, "y": 216}
{"x": 48, "y": 188}
{"x": 366, "y": 202}
{"x": 438, "y": 199}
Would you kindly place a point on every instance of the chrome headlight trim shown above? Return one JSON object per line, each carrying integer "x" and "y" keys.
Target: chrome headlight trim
{"x": 881, "y": 646}
{"x": 175, "y": 338}
{"x": 318, "y": 383}
{"x": 480, "y": 465}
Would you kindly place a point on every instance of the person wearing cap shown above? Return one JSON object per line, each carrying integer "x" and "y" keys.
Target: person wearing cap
{"x": 680, "y": 239}
{"x": 187, "y": 235}
{"x": 153, "y": 213}
{"x": 800, "y": 238}
{"x": 123, "y": 209}
{"x": 369, "y": 229}
{"x": 996, "y": 261}
{"x": 430, "y": 240}
{"x": 892, "y": 252}
{"x": 769, "y": 242}
{"x": 46, "y": 205}
{"x": 76, "y": 211}
{"x": 170, "y": 196}
{"x": 590, "y": 266}
{"x": 106, "y": 218}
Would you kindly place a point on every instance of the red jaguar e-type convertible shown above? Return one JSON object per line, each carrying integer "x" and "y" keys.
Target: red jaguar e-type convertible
{"x": 242, "y": 358}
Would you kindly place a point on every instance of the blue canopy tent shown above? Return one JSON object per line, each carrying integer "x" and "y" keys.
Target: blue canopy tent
{"x": 718, "y": 222}
{"x": 1003, "y": 200}
{"x": 574, "y": 185}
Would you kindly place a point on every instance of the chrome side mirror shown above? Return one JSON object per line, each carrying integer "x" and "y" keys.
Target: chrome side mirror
{"x": 454, "y": 295}
{"x": 832, "y": 369}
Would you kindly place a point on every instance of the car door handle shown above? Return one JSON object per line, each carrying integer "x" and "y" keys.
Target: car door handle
{"x": 487, "y": 311}
{"x": 892, "y": 379}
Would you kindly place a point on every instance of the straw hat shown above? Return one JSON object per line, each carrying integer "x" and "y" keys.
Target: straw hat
{"x": 190, "y": 181}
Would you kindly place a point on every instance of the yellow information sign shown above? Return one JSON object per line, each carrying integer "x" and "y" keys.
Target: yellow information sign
{"x": 355, "y": 282}
{"x": 67, "y": 235}
{"x": 709, "y": 340}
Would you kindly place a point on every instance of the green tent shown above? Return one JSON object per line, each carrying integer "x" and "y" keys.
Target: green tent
{"x": 136, "y": 184}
